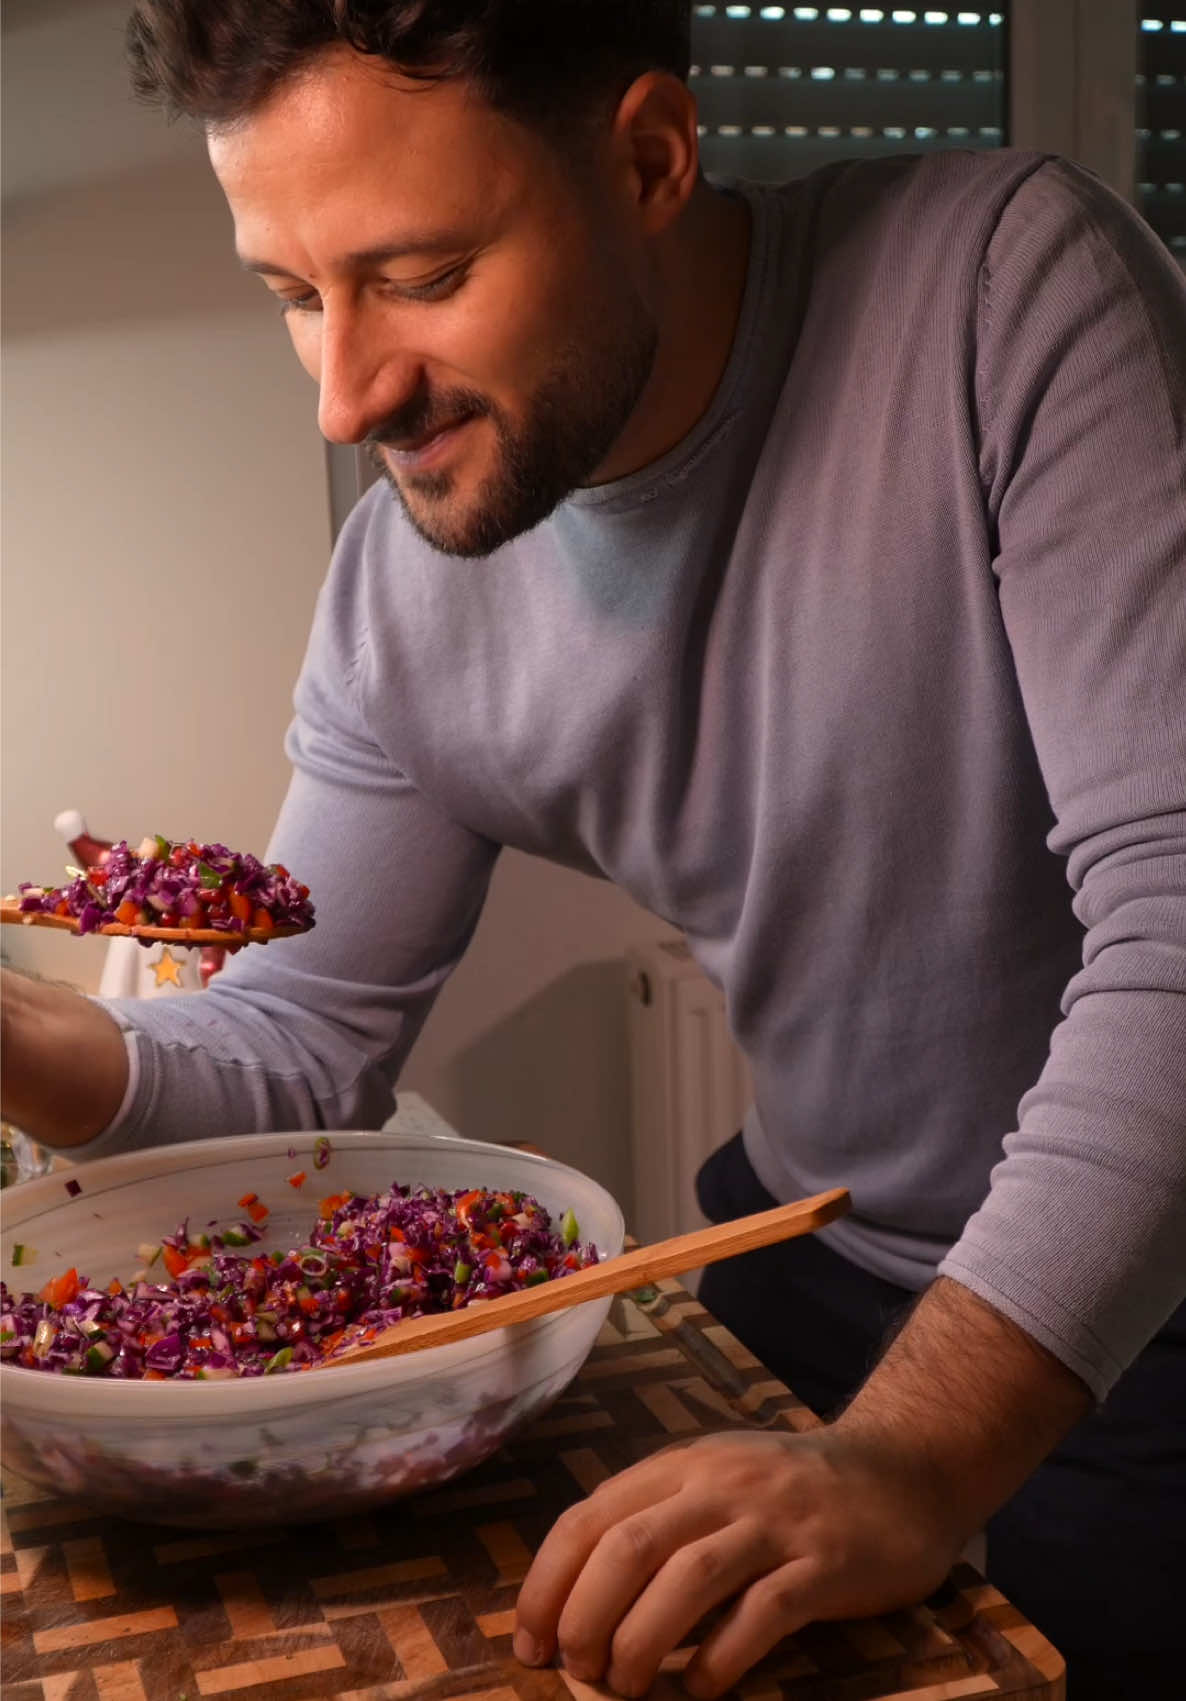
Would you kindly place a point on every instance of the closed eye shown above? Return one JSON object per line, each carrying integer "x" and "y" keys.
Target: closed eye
{"x": 435, "y": 289}
{"x": 309, "y": 302}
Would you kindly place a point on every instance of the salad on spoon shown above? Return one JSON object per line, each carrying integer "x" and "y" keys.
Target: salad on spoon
{"x": 175, "y": 890}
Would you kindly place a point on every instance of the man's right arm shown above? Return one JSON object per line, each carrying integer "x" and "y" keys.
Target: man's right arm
{"x": 307, "y": 1032}
{"x": 65, "y": 1061}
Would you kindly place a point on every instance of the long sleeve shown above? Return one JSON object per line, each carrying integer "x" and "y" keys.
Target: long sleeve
{"x": 1081, "y": 388}
{"x": 311, "y": 1032}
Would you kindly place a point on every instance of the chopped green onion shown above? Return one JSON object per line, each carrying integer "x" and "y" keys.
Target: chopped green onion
{"x": 462, "y": 1272}
{"x": 278, "y": 1361}
{"x": 535, "y": 1278}
{"x": 210, "y": 877}
{"x": 7, "y": 1335}
{"x": 163, "y": 847}
{"x": 236, "y": 1237}
{"x": 18, "y": 1255}
{"x": 569, "y": 1228}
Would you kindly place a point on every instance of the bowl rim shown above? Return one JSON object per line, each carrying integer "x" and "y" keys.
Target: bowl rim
{"x": 28, "y": 1201}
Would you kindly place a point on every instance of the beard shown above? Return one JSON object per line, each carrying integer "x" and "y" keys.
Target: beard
{"x": 571, "y": 421}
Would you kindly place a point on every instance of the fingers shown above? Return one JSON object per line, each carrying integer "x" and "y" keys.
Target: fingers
{"x": 773, "y": 1607}
{"x": 612, "y": 1588}
{"x": 570, "y": 1542}
{"x": 698, "y": 1577}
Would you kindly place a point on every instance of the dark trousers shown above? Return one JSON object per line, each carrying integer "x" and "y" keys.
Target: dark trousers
{"x": 1093, "y": 1547}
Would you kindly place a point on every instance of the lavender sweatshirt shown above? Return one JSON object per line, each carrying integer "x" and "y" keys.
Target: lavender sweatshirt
{"x": 875, "y": 686}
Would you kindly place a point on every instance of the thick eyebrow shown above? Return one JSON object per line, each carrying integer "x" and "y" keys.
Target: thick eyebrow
{"x": 434, "y": 242}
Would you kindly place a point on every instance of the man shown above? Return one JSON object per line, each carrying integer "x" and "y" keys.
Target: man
{"x": 810, "y": 562}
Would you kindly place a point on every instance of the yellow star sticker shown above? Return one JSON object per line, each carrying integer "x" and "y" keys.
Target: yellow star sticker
{"x": 167, "y": 967}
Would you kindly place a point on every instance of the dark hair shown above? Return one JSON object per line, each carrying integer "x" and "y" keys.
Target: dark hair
{"x": 548, "y": 63}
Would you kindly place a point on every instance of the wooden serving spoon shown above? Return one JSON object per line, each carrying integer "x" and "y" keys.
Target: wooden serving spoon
{"x": 185, "y": 936}
{"x": 616, "y": 1275}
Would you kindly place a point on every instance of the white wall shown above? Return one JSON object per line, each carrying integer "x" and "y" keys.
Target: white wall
{"x": 164, "y": 516}
{"x": 165, "y": 529}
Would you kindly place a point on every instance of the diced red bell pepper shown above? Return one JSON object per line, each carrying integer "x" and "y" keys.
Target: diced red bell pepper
{"x": 174, "y": 1261}
{"x": 60, "y": 1290}
{"x": 465, "y": 1206}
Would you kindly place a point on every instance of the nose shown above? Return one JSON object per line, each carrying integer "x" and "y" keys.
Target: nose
{"x": 363, "y": 378}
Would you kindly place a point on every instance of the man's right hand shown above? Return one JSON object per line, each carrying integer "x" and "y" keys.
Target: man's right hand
{"x": 65, "y": 1064}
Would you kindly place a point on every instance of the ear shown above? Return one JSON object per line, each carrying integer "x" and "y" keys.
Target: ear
{"x": 656, "y": 147}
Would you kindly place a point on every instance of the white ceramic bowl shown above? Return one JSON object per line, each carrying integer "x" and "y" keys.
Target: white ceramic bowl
{"x": 285, "y": 1448}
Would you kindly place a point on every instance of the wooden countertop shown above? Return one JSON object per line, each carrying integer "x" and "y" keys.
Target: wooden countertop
{"x": 415, "y": 1602}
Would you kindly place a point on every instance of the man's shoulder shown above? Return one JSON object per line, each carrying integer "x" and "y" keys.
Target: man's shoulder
{"x": 921, "y": 198}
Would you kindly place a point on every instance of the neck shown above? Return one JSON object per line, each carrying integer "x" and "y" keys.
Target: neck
{"x": 700, "y": 275}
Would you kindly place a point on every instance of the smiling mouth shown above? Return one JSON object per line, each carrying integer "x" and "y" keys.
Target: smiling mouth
{"x": 415, "y": 451}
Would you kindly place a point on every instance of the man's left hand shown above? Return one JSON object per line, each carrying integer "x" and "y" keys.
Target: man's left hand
{"x": 790, "y": 1527}
{"x": 856, "y": 1518}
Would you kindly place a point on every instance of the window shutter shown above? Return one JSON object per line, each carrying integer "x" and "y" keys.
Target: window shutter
{"x": 784, "y": 89}
{"x": 1161, "y": 127}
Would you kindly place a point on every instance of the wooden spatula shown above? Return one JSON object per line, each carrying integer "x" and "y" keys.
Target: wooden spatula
{"x": 616, "y": 1275}
{"x": 186, "y": 936}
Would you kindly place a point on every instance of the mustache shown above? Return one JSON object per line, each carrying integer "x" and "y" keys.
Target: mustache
{"x": 424, "y": 415}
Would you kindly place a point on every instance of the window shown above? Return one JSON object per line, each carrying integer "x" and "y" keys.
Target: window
{"x": 784, "y": 89}
{"x": 1161, "y": 127}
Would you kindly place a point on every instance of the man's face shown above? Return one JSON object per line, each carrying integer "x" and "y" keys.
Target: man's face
{"x": 466, "y": 302}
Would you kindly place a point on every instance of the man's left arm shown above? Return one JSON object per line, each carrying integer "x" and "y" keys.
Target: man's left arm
{"x": 1078, "y": 1253}
{"x": 1081, "y": 387}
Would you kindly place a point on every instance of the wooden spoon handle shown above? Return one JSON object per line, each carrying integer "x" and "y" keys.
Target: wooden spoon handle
{"x": 185, "y": 936}
{"x": 616, "y": 1275}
